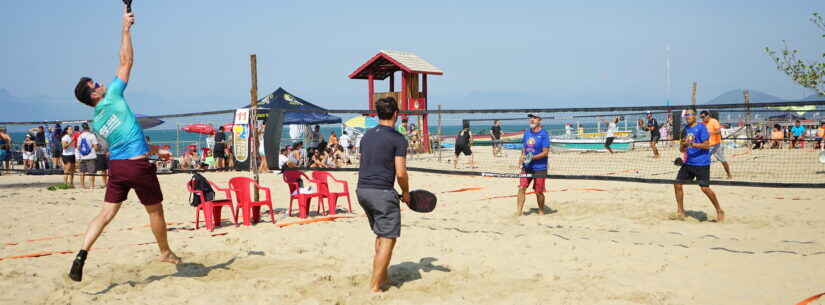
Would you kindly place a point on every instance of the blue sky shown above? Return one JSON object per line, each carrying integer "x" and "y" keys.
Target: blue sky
{"x": 193, "y": 55}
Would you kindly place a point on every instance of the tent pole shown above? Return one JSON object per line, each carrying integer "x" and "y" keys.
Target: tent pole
{"x": 253, "y": 119}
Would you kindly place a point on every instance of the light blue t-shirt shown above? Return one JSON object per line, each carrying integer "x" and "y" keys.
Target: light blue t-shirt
{"x": 116, "y": 123}
{"x": 698, "y": 156}
{"x": 798, "y": 131}
{"x": 534, "y": 143}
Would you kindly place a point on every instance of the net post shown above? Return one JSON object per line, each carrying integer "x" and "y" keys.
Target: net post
{"x": 253, "y": 134}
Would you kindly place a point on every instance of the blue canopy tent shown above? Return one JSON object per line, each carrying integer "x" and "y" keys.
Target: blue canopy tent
{"x": 281, "y": 99}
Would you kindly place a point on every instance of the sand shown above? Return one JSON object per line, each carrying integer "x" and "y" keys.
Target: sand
{"x": 604, "y": 243}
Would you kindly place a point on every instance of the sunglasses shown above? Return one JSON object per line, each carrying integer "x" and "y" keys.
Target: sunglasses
{"x": 690, "y": 115}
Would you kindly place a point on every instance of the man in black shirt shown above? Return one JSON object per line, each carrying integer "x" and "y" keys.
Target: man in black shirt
{"x": 495, "y": 134}
{"x": 653, "y": 126}
{"x": 219, "y": 151}
{"x": 383, "y": 160}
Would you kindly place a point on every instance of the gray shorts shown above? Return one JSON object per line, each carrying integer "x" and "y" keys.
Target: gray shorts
{"x": 88, "y": 166}
{"x": 383, "y": 211}
{"x": 718, "y": 150}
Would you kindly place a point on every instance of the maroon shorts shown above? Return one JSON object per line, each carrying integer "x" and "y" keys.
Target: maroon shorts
{"x": 133, "y": 174}
{"x": 538, "y": 183}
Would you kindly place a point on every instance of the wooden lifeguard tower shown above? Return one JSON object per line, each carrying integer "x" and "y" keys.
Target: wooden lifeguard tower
{"x": 413, "y": 94}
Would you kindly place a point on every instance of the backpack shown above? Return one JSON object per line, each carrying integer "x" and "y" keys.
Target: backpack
{"x": 199, "y": 183}
{"x": 84, "y": 148}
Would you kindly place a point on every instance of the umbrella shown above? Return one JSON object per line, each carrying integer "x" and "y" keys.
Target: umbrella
{"x": 228, "y": 127}
{"x": 147, "y": 122}
{"x": 199, "y": 128}
{"x": 362, "y": 121}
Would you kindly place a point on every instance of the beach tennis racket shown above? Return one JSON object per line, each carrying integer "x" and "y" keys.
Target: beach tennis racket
{"x": 128, "y": 5}
{"x": 421, "y": 201}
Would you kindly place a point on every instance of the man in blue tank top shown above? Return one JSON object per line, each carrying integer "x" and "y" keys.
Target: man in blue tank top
{"x": 696, "y": 143}
{"x": 128, "y": 164}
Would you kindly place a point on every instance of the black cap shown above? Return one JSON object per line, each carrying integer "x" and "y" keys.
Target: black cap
{"x": 533, "y": 116}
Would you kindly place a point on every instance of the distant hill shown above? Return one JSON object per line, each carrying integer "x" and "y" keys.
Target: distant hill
{"x": 39, "y": 108}
{"x": 736, "y": 96}
{"x": 815, "y": 97}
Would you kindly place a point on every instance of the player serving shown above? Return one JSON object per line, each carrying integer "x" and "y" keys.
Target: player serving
{"x": 533, "y": 161}
{"x": 128, "y": 166}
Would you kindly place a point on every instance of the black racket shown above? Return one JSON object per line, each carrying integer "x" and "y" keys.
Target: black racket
{"x": 128, "y": 5}
{"x": 422, "y": 201}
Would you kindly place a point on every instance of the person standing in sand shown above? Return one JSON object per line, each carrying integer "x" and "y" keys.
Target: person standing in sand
{"x": 128, "y": 164}
{"x": 716, "y": 148}
{"x": 533, "y": 161}
{"x": 383, "y": 161}
{"x": 655, "y": 135}
{"x": 696, "y": 143}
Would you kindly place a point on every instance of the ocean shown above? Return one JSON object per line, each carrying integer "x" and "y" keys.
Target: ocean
{"x": 178, "y": 140}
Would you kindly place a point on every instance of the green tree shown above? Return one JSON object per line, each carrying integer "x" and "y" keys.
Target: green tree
{"x": 807, "y": 74}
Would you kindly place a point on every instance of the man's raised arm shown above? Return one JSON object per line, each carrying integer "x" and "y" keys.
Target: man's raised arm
{"x": 126, "y": 51}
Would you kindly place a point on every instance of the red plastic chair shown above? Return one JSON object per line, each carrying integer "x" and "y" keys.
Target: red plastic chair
{"x": 243, "y": 200}
{"x": 322, "y": 182}
{"x": 304, "y": 200}
{"x": 211, "y": 209}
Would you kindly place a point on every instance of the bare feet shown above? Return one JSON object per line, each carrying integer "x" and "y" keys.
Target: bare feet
{"x": 680, "y": 215}
{"x": 169, "y": 257}
{"x": 720, "y": 216}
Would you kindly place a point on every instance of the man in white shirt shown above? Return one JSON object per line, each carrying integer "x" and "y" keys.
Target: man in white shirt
{"x": 611, "y": 134}
{"x": 68, "y": 146}
{"x": 346, "y": 142}
{"x": 87, "y": 154}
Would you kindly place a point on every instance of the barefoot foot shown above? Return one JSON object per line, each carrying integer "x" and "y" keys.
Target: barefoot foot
{"x": 720, "y": 216}
{"x": 169, "y": 257}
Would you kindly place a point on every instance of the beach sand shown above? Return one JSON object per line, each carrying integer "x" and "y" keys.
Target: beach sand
{"x": 603, "y": 243}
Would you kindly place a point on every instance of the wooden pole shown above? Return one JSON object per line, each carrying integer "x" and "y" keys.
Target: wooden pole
{"x": 747, "y": 98}
{"x": 439, "y": 133}
{"x": 693, "y": 95}
{"x": 253, "y": 119}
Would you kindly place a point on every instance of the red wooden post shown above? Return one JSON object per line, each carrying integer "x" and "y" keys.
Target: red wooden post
{"x": 403, "y": 96}
{"x": 371, "y": 81}
{"x": 425, "y": 125}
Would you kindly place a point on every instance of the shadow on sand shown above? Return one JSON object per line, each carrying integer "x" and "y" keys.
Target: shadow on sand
{"x": 405, "y": 272}
{"x": 183, "y": 270}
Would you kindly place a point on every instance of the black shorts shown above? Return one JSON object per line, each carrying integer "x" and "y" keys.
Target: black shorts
{"x": 690, "y": 172}
{"x": 102, "y": 163}
{"x": 609, "y": 141}
{"x": 654, "y": 137}
{"x": 459, "y": 149}
{"x": 57, "y": 153}
{"x": 68, "y": 159}
{"x": 219, "y": 151}
{"x": 383, "y": 211}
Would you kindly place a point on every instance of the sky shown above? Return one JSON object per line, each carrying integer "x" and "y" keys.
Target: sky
{"x": 194, "y": 55}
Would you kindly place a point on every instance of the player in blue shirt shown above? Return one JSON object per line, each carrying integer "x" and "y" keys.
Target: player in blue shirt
{"x": 128, "y": 164}
{"x": 697, "y": 166}
{"x": 533, "y": 161}
{"x": 797, "y": 133}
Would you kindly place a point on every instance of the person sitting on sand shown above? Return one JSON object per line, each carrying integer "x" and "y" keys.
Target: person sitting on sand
{"x": 533, "y": 161}
{"x": 129, "y": 167}
{"x": 697, "y": 166}
{"x": 777, "y": 136}
{"x": 383, "y": 161}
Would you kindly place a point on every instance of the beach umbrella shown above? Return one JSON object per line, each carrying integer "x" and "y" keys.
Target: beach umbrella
{"x": 147, "y": 122}
{"x": 199, "y": 128}
{"x": 228, "y": 127}
{"x": 362, "y": 121}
